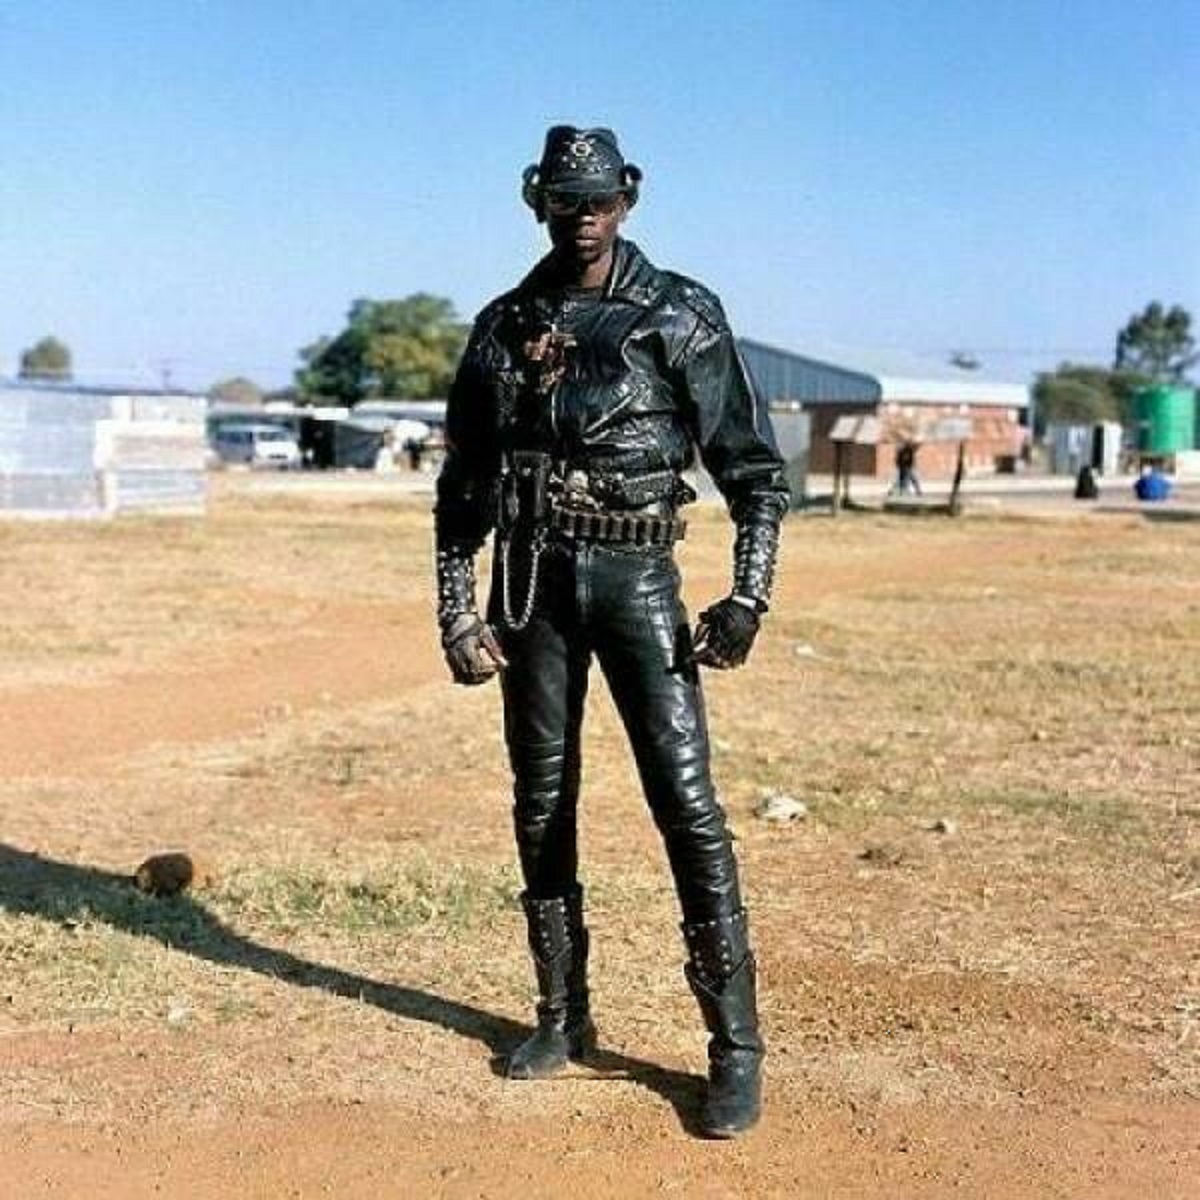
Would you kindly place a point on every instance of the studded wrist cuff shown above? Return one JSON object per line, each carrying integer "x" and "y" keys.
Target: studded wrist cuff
{"x": 754, "y": 551}
{"x": 455, "y": 585}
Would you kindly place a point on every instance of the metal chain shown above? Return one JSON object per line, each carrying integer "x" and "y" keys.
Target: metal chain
{"x": 535, "y": 555}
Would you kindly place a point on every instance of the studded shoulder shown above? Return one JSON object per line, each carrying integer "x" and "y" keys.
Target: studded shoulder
{"x": 492, "y": 313}
{"x": 699, "y": 300}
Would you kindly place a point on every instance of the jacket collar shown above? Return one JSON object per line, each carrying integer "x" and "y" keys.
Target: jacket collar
{"x": 633, "y": 279}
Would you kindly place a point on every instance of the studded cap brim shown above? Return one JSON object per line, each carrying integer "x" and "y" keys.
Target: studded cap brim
{"x": 587, "y": 183}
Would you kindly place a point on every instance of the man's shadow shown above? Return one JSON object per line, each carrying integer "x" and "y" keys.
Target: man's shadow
{"x": 64, "y": 892}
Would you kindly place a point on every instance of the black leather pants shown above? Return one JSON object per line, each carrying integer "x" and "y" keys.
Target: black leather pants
{"x": 622, "y": 605}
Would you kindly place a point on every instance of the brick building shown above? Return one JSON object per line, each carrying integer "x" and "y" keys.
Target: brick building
{"x": 908, "y": 399}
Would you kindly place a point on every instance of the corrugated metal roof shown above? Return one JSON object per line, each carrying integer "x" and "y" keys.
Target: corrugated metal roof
{"x": 841, "y": 375}
{"x": 781, "y": 375}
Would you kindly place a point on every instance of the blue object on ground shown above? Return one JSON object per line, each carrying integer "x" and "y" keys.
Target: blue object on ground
{"x": 1153, "y": 486}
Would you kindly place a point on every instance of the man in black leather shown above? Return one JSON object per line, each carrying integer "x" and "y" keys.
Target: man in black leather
{"x": 581, "y": 397}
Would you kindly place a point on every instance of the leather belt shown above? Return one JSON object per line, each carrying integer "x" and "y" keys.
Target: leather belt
{"x": 626, "y": 462}
{"x": 635, "y": 529}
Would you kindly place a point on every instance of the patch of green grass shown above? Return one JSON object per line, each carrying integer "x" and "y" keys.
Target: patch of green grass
{"x": 404, "y": 896}
{"x": 87, "y": 903}
{"x": 85, "y": 971}
{"x": 93, "y": 946}
{"x": 1097, "y": 814}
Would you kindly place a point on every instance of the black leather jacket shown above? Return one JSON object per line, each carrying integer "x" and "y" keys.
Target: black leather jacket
{"x": 653, "y": 376}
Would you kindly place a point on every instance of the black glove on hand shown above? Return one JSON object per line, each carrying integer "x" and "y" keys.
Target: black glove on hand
{"x": 725, "y": 634}
{"x": 472, "y": 650}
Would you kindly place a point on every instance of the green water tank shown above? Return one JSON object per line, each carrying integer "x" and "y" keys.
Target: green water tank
{"x": 1166, "y": 417}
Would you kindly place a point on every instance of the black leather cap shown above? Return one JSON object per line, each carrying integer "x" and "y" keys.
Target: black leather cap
{"x": 580, "y": 160}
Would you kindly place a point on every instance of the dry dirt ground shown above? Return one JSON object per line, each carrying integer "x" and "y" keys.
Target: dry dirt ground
{"x": 980, "y": 957}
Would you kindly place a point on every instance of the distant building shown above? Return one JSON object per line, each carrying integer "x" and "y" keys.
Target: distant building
{"x": 904, "y": 398}
{"x": 67, "y": 450}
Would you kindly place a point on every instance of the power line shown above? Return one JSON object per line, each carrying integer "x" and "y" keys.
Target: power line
{"x": 1028, "y": 351}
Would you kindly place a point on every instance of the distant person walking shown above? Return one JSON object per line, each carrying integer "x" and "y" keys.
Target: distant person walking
{"x": 906, "y": 473}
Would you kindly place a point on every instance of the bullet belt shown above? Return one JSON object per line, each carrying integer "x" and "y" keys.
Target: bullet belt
{"x": 637, "y": 529}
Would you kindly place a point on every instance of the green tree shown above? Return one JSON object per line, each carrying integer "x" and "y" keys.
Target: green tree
{"x": 404, "y": 348}
{"x": 48, "y": 359}
{"x": 1074, "y": 394}
{"x": 238, "y": 390}
{"x": 1081, "y": 393}
{"x": 1158, "y": 344}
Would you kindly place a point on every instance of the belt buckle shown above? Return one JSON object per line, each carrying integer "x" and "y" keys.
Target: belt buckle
{"x": 575, "y": 486}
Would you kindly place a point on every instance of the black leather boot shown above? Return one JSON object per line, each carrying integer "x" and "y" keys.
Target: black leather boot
{"x": 720, "y": 970}
{"x": 559, "y": 944}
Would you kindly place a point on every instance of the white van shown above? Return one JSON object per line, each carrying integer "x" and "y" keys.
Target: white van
{"x": 260, "y": 445}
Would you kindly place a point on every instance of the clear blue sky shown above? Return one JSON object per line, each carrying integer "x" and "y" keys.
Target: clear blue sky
{"x": 212, "y": 183}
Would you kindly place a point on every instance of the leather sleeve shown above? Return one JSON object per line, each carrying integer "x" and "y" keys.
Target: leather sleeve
{"x": 733, "y": 433}
{"x": 465, "y": 509}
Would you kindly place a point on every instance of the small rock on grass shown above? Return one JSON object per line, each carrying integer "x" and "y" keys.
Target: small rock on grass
{"x": 178, "y": 1014}
{"x": 946, "y": 825}
{"x": 173, "y": 872}
{"x": 779, "y": 809}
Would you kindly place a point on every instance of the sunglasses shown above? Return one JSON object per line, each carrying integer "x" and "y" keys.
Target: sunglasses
{"x": 567, "y": 204}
